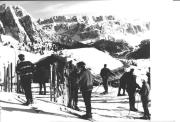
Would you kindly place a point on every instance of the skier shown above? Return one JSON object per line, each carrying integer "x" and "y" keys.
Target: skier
{"x": 122, "y": 84}
{"x": 25, "y": 70}
{"x": 144, "y": 92}
{"x": 86, "y": 85}
{"x": 73, "y": 89}
{"x": 149, "y": 77}
{"x": 131, "y": 89}
{"x": 105, "y": 73}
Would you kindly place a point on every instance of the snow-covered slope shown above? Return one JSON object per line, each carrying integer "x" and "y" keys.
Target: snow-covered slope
{"x": 18, "y": 23}
{"x": 64, "y": 31}
{"x": 93, "y": 58}
{"x": 8, "y": 54}
{"x": 83, "y": 28}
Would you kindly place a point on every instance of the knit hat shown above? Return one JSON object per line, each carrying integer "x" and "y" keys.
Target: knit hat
{"x": 21, "y": 55}
{"x": 81, "y": 64}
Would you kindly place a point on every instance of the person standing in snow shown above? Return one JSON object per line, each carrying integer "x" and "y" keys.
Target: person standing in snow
{"x": 149, "y": 77}
{"x": 19, "y": 86}
{"x": 131, "y": 86}
{"x": 122, "y": 84}
{"x": 73, "y": 87}
{"x": 144, "y": 92}
{"x": 105, "y": 73}
{"x": 85, "y": 81}
{"x": 25, "y": 70}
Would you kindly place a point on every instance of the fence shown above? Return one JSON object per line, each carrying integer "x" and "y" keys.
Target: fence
{"x": 10, "y": 82}
{"x": 7, "y": 80}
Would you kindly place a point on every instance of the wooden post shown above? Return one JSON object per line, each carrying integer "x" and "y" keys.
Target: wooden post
{"x": 4, "y": 77}
{"x": 54, "y": 86}
{"x": 50, "y": 82}
{"x": 11, "y": 77}
{"x": 8, "y": 76}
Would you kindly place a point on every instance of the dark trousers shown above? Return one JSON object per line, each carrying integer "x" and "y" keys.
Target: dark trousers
{"x": 42, "y": 85}
{"x": 145, "y": 105}
{"x": 105, "y": 84}
{"x": 87, "y": 100}
{"x": 119, "y": 90}
{"x": 73, "y": 98}
{"x": 26, "y": 84}
{"x": 131, "y": 95}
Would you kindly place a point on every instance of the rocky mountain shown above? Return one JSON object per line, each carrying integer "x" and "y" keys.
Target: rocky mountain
{"x": 90, "y": 28}
{"x": 106, "y": 33}
{"x": 71, "y": 31}
{"x": 16, "y": 22}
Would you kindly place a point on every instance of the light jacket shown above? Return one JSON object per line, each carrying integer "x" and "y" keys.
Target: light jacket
{"x": 85, "y": 80}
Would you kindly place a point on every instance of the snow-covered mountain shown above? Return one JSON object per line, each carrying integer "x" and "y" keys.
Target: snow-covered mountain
{"x": 68, "y": 31}
{"x": 106, "y": 33}
{"x": 16, "y": 22}
{"x": 91, "y": 28}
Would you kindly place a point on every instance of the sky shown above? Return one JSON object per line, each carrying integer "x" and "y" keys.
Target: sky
{"x": 122, "y": 8}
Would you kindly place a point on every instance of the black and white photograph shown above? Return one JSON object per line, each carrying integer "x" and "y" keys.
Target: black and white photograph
{"x": 68, "y": 61}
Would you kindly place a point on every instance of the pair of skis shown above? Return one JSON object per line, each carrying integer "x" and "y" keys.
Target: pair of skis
{"x": 63, "y": 108}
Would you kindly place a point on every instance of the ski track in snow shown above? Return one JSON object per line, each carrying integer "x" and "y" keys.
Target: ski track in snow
{"x": 104, "y": 108}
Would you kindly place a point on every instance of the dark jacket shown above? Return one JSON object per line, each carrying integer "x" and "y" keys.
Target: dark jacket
{"x": 149, "y": 78}
{"x": 131, "y": 84}
{"x": 85, "y": 80}
{"x": 25, "y": 68}
{"x": 105, "y": 73}
{"x": 73, "y": 77}
{"x": 123, "y": 80}
{"x": 144, "y": 92}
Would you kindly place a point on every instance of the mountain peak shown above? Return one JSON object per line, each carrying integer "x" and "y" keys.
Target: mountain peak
{"x": 67, "y": 31}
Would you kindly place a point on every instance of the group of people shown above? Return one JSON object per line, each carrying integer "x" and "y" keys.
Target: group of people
{"x": 128, "y": 83}
{"x": 81, "y": 77}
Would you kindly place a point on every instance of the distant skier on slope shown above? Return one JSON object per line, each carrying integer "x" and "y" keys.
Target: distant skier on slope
{"x": 105, "y": 73}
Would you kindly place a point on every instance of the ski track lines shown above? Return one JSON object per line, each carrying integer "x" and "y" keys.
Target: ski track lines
{"x": 104, "y": 108}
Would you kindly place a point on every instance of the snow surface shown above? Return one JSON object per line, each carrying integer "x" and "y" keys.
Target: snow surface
{"x": 17, "y": 21}
{"x": 104, "y": 108}
{"x": 9, "y": 39}
{"x": 93, "y": 58}
{"x": 11, "y": 55}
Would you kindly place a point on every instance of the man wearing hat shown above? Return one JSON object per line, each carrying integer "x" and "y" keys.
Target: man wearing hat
{"x": 86, "y": 85}
{"x": 25, "y": 70}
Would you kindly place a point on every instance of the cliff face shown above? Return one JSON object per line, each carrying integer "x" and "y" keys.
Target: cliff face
{"x": 83, "y": 28}
{"x": 11, "y": 24}
{"x": 71, "y": 31}
{"x": 15, "y": 21}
